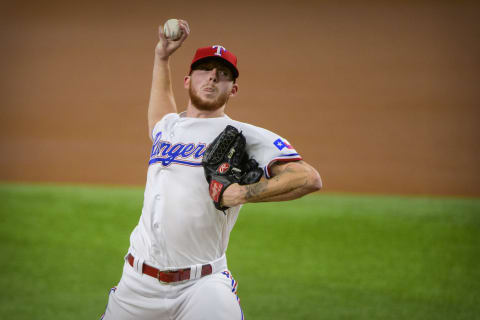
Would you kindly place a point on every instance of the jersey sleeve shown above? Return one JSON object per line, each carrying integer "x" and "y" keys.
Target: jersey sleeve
{"x": 268, "y": 148}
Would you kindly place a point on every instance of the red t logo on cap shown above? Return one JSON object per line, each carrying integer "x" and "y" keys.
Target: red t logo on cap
{"x": 219, "y": 50}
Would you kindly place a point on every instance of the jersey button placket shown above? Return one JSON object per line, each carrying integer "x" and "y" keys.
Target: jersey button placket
{"x": 158, "y": 248}
{"x": 158, "y": 198}
{"x": 172, "y": 133}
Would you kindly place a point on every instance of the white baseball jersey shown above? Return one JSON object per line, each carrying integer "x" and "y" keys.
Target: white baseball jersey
{"x": 179, "y": 225}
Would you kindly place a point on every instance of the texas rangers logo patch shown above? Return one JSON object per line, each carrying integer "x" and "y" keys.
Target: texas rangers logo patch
{"x": 280, "y": 144}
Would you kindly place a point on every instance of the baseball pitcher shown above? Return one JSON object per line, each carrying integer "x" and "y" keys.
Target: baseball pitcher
{"x": 203, "y": 166}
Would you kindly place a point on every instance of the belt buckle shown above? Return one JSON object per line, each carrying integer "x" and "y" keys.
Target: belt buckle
{"x": 165, "y": 271}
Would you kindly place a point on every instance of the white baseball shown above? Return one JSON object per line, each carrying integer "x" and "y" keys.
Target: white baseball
{"x": 172, "y": 30}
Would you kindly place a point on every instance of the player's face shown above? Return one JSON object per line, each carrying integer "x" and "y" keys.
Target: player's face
{"x": 210, "y": 85}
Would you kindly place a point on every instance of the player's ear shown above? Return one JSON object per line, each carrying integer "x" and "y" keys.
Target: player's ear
{"x": 186, "y": 82}
{"x": 234, "y": 90}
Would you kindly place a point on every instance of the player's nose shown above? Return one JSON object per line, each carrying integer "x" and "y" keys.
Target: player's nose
{"x": 213, "y": 75}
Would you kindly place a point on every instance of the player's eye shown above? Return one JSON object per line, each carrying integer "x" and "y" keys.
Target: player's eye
{"x": 224, "y": 73}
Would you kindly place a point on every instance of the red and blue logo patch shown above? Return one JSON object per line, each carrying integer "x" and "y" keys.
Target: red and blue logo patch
{"x": 280, "y": 144}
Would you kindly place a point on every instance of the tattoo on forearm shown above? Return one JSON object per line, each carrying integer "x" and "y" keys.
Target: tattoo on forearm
{"x": 255, "y": 189}
{"x": 256, "y": 192}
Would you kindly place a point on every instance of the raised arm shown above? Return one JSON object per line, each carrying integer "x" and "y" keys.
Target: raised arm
{"x": 162, "y": 100}
{"x": 290, "y": 181}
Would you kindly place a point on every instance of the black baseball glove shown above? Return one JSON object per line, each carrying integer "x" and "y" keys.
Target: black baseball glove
{"x": 225, "y": 162}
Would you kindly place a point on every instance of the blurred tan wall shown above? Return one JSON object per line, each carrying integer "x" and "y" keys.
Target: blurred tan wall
{"x": 379, "y": 97}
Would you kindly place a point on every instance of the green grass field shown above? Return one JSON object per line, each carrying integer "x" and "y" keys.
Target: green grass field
{"x": 320, "y": 257}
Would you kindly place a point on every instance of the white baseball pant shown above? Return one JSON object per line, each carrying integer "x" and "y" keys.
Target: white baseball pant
{"x": 142, "y": 297}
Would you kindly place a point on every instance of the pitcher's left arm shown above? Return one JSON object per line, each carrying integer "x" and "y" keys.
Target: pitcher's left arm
{"x": 290, "y": 180}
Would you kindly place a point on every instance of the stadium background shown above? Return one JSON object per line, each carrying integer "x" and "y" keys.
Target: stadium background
{"x": 381, "y": 97}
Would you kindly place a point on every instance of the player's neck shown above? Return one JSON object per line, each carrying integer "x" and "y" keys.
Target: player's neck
{"x": 193, "y": 112}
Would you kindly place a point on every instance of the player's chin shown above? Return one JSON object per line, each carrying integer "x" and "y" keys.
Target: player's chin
{"x": 208, "y": 106}
{"x": 212, "y": 99}
{"x": 208, "y": 101}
